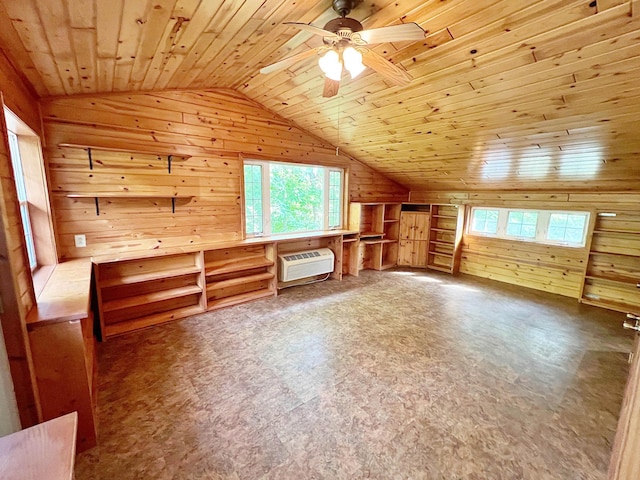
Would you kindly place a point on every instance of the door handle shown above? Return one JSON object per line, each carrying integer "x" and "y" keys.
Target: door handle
{"x": 632, "y": 322}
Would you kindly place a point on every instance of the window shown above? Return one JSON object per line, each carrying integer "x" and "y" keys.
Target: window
{"x": 522, "y": 224}
{"x": 543, "y": 226}
{"x": 484, "y": 221}
{"x": 286, "y": 197}
{"x": 22, "y": 199}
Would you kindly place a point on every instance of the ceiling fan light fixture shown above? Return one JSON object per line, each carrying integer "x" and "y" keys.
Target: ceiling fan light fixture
{"x": 331, "y": 65}
{"x": 353, "y": 61}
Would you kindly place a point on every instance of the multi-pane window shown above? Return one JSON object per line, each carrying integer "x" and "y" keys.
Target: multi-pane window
{"x": 566, "y": 227}
{"x": 335, "y": 198}
{"x": 286, "y": 197}
{"x": 22, "y": 199}
{"x": 484, "y": 221}
{"x": 522, "y": 224}
{"x": 544, "y": 226}
{"x": 253, "y": 198}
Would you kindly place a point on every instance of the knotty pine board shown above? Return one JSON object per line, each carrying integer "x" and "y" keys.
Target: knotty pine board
{"x": 212, "y": 127}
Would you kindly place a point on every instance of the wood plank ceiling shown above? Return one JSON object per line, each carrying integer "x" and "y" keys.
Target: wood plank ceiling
{"x": 507, "y": 94}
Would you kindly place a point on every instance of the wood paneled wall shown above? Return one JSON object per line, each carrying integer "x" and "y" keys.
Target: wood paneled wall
{"x": 543, "y": 267}
{"x": 16, "y": 287}
{"x": 215, "y": 128}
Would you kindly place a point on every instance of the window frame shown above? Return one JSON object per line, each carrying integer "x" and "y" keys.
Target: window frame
{"x": 266, "y": 200}
{"x": 542, "y": 225}
{"x": 23, "y": 200}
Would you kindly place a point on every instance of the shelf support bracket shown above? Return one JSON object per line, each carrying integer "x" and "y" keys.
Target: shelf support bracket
{"x": 169, "y": 158}
{"x": 97, "y": 205}
{"x": 90, "y": 159}
{"x": 173, "y": 204}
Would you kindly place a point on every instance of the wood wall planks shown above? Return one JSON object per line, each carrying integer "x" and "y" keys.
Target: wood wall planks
{"x": 543, "y": 267}
{"x": 16, "y": 287}
{"x": 214, "y": 127}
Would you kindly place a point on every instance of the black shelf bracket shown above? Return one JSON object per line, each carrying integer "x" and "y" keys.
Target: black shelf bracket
{"x": 173, "y": 204}
{"x": 90, "y": 159}
{"x": 97, "y": 205}
{"x": 169, "y": 158}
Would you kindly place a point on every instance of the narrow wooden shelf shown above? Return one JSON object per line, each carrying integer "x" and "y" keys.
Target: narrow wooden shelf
{"x": 236, "y": 265}
{"x": 452, "y": 217}
{"x": 614, "y": 279}
{"x": 120, "y": 150}
{"x": 371, "y": 234}
{"x": 612, "y": 230}
{"x": 123, "y": 195}
{"x": 152, "y": 297}
{"x": 614, "y": 254}
{"x": 232, "y": 282}
{"x": 349, "y": 240}
{"x": 444, "y": 230}
{"x": 441, "y": 254}
{"x": 439, "y": 268}
{"x": 241, "y": 298}
{"x": 440, "y": 242}
{"x": 372, "y": 241}
{"x": 126, "y": 326}
{"x": 391, "y": 220}
{"x": 611, "y": 305}
{"x": 147, "y": 277}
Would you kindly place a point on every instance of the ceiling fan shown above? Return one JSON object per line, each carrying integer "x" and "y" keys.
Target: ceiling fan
{"x": 345, "y": 47}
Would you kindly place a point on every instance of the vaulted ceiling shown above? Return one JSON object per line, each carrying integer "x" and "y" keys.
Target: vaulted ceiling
{"x": 506, "y": 94}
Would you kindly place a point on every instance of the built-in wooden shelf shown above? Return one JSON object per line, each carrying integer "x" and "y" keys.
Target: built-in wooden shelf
{"x": 604, "y": 231}
{"x": 152, "y": 297}
{"x": 133, "y": 324}
{"x": 232, "y": 282}
{"x": 150, "y": 276}
{"x": 236, "y": 265}
{"x": 371, "y": 234}
{"x": 445, "y": 237}
{"x": 90, "y": 148}
{"x": 609, "y": 304}
{"x": 615, "y": 279}
{"x": 96, "y": 196}
{"x": 240, "y": 298}
{"x": 612, "y": 271}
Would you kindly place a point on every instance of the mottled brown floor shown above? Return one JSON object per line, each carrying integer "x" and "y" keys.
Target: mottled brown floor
{"x": 393, "y": 375}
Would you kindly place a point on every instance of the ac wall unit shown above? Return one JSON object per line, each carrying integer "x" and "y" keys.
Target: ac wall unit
{"x": 293, "y": 266}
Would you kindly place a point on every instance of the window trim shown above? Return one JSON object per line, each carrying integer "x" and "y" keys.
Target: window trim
{"x": 542, "y": 226}
{"x": 266, "y": 187}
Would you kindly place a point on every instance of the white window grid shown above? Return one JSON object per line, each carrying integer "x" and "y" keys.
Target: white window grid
{"x": 542, "y": 228}
{"x": 332, "y": 199}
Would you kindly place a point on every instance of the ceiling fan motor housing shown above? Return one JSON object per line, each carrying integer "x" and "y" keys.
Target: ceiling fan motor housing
{"x": 343, "y": 7}
{"x": 349, "y": 25}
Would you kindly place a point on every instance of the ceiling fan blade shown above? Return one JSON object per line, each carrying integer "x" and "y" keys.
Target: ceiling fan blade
{"x": 312, "y": 29}
{"x": 330, "y": 87}
{"x": 394, "y": 33}
{"x": 287, "y": 62}
{"x": 385, "y": 68}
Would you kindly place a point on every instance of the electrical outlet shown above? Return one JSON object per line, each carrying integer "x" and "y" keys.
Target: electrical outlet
{"x": 81, "y": 240}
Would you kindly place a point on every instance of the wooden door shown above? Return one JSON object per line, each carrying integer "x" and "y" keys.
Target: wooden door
{"x": 625, "y": 458}
{"x": 407, "y": 224}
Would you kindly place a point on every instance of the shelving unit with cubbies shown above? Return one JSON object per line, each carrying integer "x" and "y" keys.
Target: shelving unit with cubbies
{"x": 378, "y": 225}
{"x": 137, "y": 293}
{"x": 612, "y": 274}
{"x": 239, "y": 274}
{"x": 445, "y": 236}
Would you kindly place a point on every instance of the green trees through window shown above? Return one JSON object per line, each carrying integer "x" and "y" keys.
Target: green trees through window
{"x": 287, "y": 198}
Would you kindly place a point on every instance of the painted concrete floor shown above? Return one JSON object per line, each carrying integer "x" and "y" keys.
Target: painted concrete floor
{"x": 395, "y": 375}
